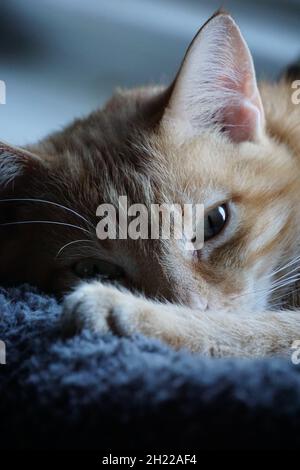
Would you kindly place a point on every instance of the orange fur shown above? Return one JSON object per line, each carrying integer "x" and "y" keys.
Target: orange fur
{"x": 135, "y": 146}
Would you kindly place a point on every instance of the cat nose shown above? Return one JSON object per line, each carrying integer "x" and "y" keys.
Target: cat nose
{"x": 197, "y": 302}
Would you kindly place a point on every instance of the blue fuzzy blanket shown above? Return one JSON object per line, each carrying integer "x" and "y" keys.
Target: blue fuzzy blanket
{"x": 95, "y": 392}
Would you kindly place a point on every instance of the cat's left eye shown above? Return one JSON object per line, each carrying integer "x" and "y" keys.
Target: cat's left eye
{"x": 92, "y": 268}
{"x": 215, "y": 221}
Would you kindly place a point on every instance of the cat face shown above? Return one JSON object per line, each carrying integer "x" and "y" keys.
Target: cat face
{"x": 200, "y": 141}
{"x": 257, "y": 183}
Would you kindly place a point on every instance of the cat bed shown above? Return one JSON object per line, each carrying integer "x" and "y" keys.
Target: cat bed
{"x": 103, "y": 392}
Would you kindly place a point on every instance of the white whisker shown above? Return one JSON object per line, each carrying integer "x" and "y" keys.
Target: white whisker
{"x": 281, "y": 282}
{"x": 44, "y": 201}
{"x": 290, "y": 263}
{"x": 287, "y": 294}
{"x": 71, "y": 243}
{"x": 273, "y": 288}
{"x": 44, "y": 222}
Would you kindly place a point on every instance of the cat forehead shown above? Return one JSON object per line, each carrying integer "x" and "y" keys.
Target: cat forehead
{"x": 150, "y": 164}
{"x": 212, "y": 168}
{"x": 212, "y": 148}
{"x": 210, "y": 159}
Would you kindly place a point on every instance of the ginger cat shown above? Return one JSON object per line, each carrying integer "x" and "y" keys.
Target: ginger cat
{"x": 213, "y": 137}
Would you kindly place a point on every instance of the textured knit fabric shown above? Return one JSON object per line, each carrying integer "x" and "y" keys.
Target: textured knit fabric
{"x": 103, "y": 392}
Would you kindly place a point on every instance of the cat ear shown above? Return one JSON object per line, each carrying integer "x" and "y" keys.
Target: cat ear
{"x": 16, "y": 163}
{"x": 216, "y": 86}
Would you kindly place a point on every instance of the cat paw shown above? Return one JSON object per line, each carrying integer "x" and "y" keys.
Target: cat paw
{"x": 100, "y": 308}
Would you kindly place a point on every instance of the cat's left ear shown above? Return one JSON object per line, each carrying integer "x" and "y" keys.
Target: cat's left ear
{"x": 18, "y": 167}
{"x": 216, "y": 86}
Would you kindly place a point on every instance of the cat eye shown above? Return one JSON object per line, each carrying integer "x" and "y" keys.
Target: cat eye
{"x": 214, "y": 221}
{"x": 91, "y": 268}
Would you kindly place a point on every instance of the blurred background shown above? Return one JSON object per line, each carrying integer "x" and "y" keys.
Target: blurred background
{"x": 61, "y": 59}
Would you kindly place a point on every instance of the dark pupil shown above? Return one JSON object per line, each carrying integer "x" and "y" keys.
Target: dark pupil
{"x": 214, "y": 221}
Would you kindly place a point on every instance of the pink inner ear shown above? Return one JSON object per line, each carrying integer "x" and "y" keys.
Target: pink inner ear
{"x": 216, "y": 86}
{"x": 243, "y": 119}
{"x": 242, "y": 122}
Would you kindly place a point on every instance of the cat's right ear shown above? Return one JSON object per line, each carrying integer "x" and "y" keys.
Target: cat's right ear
{"x": 215, "y": 88}
{"x": 17, "y": 167}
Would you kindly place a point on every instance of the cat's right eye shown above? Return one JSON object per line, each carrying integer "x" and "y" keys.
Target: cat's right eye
{"x": 215, "y": 220}
{"x": 94, "y": 268}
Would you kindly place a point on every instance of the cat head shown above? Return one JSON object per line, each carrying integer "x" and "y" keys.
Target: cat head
{"x": 205, "y": 140}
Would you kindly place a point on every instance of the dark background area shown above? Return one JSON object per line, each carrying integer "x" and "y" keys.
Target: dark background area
{"x": 63, "y": 58}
